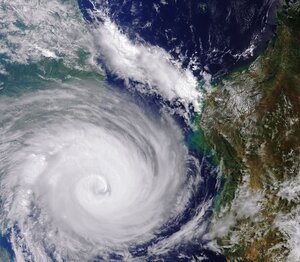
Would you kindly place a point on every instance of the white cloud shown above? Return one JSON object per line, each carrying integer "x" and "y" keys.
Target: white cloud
{"x": 289, "y": 225}
{"x": 150, "y": 66}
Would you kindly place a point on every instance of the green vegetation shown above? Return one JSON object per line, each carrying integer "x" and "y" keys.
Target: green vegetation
{"x": 24, "y": 77}
{"x": 252, "y": 121}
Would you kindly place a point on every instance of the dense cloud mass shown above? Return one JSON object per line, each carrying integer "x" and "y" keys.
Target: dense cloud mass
{"x": 107, "y": 170}
{"x": 87, "y": 172}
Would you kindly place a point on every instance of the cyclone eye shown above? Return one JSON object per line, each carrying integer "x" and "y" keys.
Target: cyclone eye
{"x": 99, "y": 169}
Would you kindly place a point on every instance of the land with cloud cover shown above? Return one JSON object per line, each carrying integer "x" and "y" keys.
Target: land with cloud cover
{"x": 252, "y": 120}
{"x": 62, "y": 125}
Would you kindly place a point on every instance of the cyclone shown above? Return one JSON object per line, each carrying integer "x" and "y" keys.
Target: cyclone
{"x": 102, "y": 152}
{"x": 88, "y": 173}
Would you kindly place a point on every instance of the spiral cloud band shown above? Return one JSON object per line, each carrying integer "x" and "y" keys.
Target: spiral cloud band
{"x": 87, "y": 172}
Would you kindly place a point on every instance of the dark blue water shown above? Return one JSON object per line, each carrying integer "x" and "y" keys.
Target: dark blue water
{"x": 205, "y": 192}
{"x": 5, "y": 243}
{"x": 211, "y": 33}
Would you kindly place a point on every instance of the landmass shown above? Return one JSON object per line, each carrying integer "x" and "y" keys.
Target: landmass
{"x": 251, "y": 120}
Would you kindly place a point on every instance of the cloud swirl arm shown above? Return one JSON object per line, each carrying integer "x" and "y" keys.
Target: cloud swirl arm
{"x": 87, "y": 172}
